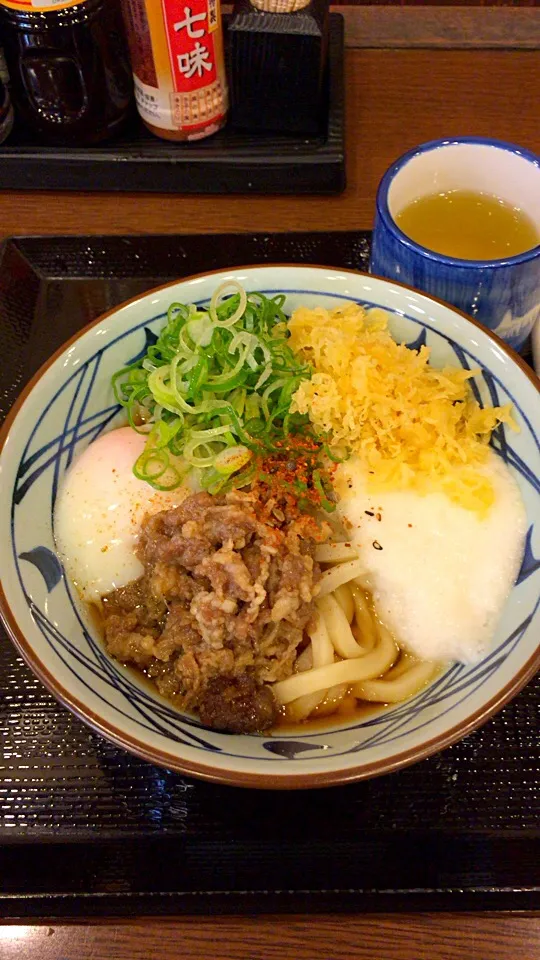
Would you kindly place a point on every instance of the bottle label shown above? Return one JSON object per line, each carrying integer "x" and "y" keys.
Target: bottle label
{"x": 180, "y": 75}
{"x": 40, "y": 6}
{"x": 197, "y": 96}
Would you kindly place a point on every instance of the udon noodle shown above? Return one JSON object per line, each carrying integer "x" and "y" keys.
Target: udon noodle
{"x": 350, "y": 656}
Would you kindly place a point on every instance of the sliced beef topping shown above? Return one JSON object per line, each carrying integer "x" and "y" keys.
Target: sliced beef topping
{"x": 220, "y": 610}
{"x": 238, "y": 705}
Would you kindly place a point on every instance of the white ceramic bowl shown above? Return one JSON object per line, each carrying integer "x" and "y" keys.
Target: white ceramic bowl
{"x": 69, "y": 402}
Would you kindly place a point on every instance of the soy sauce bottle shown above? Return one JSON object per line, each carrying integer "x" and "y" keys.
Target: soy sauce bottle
{"x": 6, "y": 112}
{"x": 70, "y": 77}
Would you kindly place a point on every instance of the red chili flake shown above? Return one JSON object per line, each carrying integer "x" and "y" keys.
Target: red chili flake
{"x": 285, "y": 478}
{"x": 409, "y": 524}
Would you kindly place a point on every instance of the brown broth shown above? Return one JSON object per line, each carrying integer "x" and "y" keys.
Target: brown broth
{"x": 349, "y": 711}
{"x": 344, "y": 715}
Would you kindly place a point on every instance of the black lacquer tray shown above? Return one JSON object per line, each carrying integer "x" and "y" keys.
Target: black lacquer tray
{"x": 229, "y": 162}
{"x": 86, "y": 829}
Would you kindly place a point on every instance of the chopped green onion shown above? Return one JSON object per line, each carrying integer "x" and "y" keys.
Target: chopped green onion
{"x": 318, "y": 483}
{"x": 232, "y": 459}
{"x": 214, "y": 393}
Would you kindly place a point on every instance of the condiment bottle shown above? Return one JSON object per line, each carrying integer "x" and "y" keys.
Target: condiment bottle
{"x": 6, "y": 112}
{"x": 178, "y": 66}
{"x": 70, "y": 78}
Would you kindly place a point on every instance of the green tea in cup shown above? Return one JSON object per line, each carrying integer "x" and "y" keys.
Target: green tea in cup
{"x": 468, "y": 225}
{"x": 460, "y": 219}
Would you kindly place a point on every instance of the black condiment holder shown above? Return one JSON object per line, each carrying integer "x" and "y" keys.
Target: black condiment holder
{"x": 230, "y": 162}
{"x": 277, "y": 68}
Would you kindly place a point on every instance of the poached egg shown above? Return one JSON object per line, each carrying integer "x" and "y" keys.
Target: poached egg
{"x": 99, "y": 511}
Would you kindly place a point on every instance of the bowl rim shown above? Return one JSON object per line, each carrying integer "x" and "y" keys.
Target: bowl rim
{"x": 457, "y": 263}
{"x": 242, "y": 778}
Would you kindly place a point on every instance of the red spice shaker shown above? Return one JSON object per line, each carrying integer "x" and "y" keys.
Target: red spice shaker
{"x": 178, "y": 66}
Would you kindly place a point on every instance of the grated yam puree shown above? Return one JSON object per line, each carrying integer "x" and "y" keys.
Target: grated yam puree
{"x": 411, "y": 426}
{"x": 439, "y": 574}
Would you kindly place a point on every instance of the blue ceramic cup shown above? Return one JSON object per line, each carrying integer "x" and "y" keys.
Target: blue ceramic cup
{"x": 504, "y": 295}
